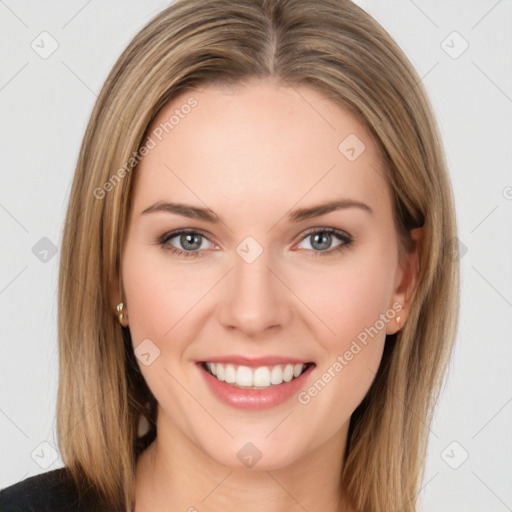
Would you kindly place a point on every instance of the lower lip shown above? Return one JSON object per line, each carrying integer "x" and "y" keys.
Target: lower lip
{"x": 255, "y": 399}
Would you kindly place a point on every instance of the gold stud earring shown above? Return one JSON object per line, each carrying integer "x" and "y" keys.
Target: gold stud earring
{"x": 123, "y": 318}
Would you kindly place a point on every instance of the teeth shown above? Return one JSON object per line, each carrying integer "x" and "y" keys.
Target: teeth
{"x": 220, "y": 371}
{"x": 288, "y": 373}
{"x": 297, "y": 369}
{"x": 230, "y": 374}
{"x": 276, "y": 375}
{"x": 244, "y": 376}
{"x": 261, "y": 377}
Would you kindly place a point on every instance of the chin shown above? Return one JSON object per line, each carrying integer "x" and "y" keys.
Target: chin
{"x": 256, "y": 453}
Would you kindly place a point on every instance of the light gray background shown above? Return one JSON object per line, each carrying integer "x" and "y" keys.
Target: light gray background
{"x": 44, "y": 108}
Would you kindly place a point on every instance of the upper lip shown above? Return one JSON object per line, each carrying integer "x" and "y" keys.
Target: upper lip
{"x": 254, "y": 362}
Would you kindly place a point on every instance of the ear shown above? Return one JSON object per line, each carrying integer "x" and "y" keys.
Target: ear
{"x": 406, "y": 281}
{"x": 113, "y": 294}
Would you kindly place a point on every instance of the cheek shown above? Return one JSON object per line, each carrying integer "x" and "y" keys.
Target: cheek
{"x": 349, "y": 300}
{"x": 350, "y": 304}
{"x": 157, "y": 305}
{"x": 155, "y": 297}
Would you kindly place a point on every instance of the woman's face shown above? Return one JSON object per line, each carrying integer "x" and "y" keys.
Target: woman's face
{"x": 251, "y": 288}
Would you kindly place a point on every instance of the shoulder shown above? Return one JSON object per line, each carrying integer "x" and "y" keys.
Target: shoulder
{"x": 53, "y": 491}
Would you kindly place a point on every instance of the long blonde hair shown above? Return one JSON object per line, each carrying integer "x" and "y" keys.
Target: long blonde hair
{"x": 338, "y": 49}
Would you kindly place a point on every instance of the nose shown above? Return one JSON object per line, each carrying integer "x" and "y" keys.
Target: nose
{"x": 255, "y": 298}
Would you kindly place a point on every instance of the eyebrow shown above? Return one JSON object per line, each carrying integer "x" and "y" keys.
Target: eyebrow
{"x": 298, "y": 215}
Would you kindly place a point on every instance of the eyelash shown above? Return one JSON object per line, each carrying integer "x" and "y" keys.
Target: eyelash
{"x": 341, "y": 235}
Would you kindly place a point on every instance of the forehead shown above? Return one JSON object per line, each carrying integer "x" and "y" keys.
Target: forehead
{"x": 242, "y": 148}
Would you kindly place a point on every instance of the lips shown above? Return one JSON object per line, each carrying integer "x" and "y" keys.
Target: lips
{"x": 255, "y": 384}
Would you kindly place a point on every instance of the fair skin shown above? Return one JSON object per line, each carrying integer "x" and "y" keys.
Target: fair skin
{"x": 252, "y": 154}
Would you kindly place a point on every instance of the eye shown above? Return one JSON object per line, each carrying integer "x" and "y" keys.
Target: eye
{"x": 322, "y": 239}
{"x": 191, "y": 242}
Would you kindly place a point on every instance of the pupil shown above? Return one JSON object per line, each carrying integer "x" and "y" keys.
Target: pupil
{"x": 185, "y": 239}
{"x": 324, "y": 238}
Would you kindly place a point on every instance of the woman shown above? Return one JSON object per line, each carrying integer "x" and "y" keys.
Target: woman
{"x": 258, "y": 294}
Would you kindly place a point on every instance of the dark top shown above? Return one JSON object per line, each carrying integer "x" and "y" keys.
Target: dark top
{"x": 53, "y": 491}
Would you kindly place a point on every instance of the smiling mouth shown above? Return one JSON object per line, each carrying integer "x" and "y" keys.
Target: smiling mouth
{"x": 261, "y": 377}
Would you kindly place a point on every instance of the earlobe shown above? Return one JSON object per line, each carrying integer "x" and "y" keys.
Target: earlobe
{"x": 122, "y": 314}
{"x": 118, "y": 306}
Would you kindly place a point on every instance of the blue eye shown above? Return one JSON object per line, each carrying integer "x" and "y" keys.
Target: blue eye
{"x": 189, "y": 239}
{"x": 322, "y": 238}
{"x": 192, "y": 242}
